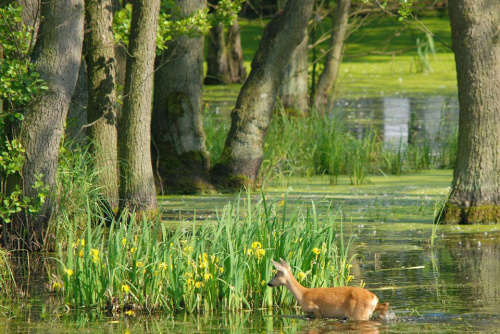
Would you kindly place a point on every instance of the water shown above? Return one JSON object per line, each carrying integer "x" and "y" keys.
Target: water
{"x": 442, "y": 280}
{"x": 405, "y": 119}
{"x": 399, "y": 118}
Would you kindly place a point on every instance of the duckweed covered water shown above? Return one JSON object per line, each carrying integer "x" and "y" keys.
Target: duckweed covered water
{"x": 440, "y": 279}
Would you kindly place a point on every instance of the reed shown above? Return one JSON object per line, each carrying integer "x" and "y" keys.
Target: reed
{"x": 142, "y": 264}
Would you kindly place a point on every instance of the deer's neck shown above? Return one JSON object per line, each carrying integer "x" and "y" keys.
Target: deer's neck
{"x": 296, "y": 289}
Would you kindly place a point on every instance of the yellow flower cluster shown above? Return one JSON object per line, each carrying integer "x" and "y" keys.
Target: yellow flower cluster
{"x": 95, "y": 255}
{"x": 204, "y": 269}
{"x": 256, "y": 249}
{"x": 301, "y": 275}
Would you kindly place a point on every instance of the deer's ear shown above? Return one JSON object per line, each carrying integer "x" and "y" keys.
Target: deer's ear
{"x": 284, "y": 264}
{"x": 278, "y": 266}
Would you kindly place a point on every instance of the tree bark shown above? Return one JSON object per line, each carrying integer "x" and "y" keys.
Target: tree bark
{"x": 77, "y": 113}
{"x": 217, "y": 61}
{"x": 294, "y": 89}
{"x": 57, "y": 55}
{"x": 181, "y": 158}
{"x": 333, "y": 59}
{"x": 137, "y": 190}
{"x": 475, "y": 195}
{"x": 30, "y": 15}
{"x": 244, "y": 149}
{"x": 100, "y": 55}
{"x": 225, "y": 60}
{"x": 236, "y": 64}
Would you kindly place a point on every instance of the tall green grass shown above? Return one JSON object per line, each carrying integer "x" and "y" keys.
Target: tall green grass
{"x": 141, "y": 264}
{"x": 323, "y": 145}
{"x": 7, "y": 279}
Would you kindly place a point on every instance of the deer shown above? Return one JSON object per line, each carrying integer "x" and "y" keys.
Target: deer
{"x": 353, "y": 303}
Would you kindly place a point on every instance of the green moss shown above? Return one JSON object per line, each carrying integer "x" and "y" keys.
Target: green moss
{"x": 476, "y": 215}
{"x": 177, "y": 102}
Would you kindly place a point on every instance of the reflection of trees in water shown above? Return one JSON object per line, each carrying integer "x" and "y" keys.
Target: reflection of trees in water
{"x": 410, "y": 119}
{"x": 476, "y": 262}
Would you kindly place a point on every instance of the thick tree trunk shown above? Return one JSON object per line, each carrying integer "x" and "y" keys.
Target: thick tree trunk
{"x": 328, "y": 77}
{"x": 475, "y": 196}
{"x": 137, "y": 190}
{"x": 236, "y": 65}
{"x": 217, "y": 62}
{"x": 294, "y": 89}
{"x": 99, "y": 44}
{"x": 181, "y": 158}
{"x": 244, "y": 149}
{"x": 57, "y": 54}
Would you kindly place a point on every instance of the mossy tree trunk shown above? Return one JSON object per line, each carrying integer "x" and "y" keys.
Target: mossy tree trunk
{"x": 57, "y": 55}
{"x": 294, "y": 88}
{"x": 333, "y": 59}
{"x": 180, "y": 156}
{"x": 137, "y": 189}
{"x": 100, "y": 55}
{"x": 475, "y": 195}
{"x": 244, "y": 148}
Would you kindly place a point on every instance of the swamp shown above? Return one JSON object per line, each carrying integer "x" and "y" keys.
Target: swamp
{"x": 173, "y": 230}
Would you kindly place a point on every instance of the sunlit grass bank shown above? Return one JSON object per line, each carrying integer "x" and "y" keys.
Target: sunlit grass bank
{"x": 141, "y": 264}
{"x": 381, "y": 58}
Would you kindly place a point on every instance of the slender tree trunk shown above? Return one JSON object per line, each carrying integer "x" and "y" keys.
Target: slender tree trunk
{"x": 137, "y": 190}
{"x": 328, "y": 77}
{"x": 244, "y": 149}
{"x": 77, "y": 113}
{"x": 100, "y": 55}
{"x": 181, "y": 158}
{"x": 217, "y": 61}
{"x": 475, "y": 196}
{"x": 57, "y": 55}
{"x": 31, "y": 15}
{"x": 236, "y": 65}
{"x": 294, "y": 89}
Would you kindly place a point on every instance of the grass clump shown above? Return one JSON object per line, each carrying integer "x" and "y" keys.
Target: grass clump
{"x": 142, "y": 264}
{"x": 7, "y": 281}
{"x": 322, "y": 145}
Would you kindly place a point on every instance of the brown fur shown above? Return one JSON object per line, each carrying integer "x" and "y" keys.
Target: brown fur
{"x": 342, "y": 302}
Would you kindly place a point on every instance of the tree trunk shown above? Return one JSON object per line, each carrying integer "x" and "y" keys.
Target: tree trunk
{"x": 244, "y": 149}
{"x": 236, "y": 65}
{"x": 100, "y": 55}
{"x": 217, "y": 62}
{"x": 475, "y": 195}
{"x": 57, "y": 55}
{"x": 30, "y": 15}
{"x": 137, "y": 190}
{"x": 294, "y": 89}
{"x": 328, "y": 77}
{"x": 77, "y": 113}
{"x": 180, "y": 156}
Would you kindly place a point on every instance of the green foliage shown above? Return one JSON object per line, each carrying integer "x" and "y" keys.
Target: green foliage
{"x": 194, "y": 25}
{"x": 138, "y": 263}
{"x": 19, "y": 82}
{"x": 19, "y": 85}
